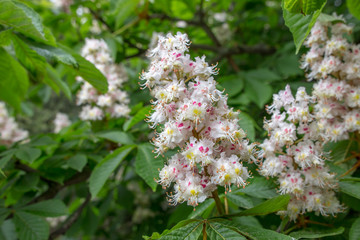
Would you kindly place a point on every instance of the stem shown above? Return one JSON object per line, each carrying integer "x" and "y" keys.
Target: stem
{"x": 351, "y": 169}
{"x": 283, "y": 225}
{"x": 226, "y": 205}
{"x": 204, "y": 232}
{"x": 290, "y": 229}
{"x": 219, "y": 208}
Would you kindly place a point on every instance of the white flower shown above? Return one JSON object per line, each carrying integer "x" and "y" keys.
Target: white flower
{"x": 197, "y": 121}
{"x": 61, "y": 121}
{"x": 9, "y": 129}
{"x": 115, "y": 101}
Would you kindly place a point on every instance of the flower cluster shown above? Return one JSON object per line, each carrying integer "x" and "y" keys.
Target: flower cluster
{"x": 9, "y": 130}
{"x": 62, "y": 4}
{"x": 293, "y": 154}
{"x": 335, "y": 63}
{"x": 61, "y": 121}
{"x": 196, "y": 121}
{"x": 95, "y": 105}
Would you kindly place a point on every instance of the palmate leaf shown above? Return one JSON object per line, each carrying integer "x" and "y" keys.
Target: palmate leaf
{"x": 48, "y": 208}
{"x": 355, "y": 230}
{"x": 259, "y": 187}
{"x": 276, "y": 204}
{"x": 185, "y": 230}
{"x": 203, "y": 207}
{"x": 300, "y": 25}
{"x": 147, "y": 166}
{"x": 104, "y": 168}
{"x": 53, "y": 54}
{"x": 55, "y": 82}
{"x": 255, "y": 233}
{"x": 354, "y": 7}
{"x": 30, "y": 226}
{"x": 303, "y": 6}
{"x": 218, "y": 231}
{"x": 139, "y": 116}
{"x": 32, "y": 61}
{"x": 316, "y": 233}
{"x": 25, "y": 20}
{"x": 14, "y": 80}
{"x": 28, "y": 154}
{"x": 116, "y": 136}
{"x": 351, "y": 188}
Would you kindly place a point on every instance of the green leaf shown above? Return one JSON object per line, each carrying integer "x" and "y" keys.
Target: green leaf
{"x": 259, "y": 187}
{"x": 355, "y": 230}
{"x": 263, "y": 75}
{"x": 48, "y": 208}
{"x": 104, "y": 168}
{"x": 202, "y": 208}
{"x": 89, "y": 72}
{"x": 240, "y": 200}
{"x": 77, "y": 162}
{"x": 139, "y": 116}
{"x": 24, "y": 19}
{"x": 350, "y": 188}
{"x": 53, "y": 79}
{"x": 317, "y": 233}
{"x": 53, "y": 54}
{"x": 300, "y": 25}
{"x": 5, "y": 159}
{"x": 340, "y": 150}
{"x": 273, "y": 205}
{"x": 123, "y": 10}
{"x": 5, "y": 37}
{"x": 116, "y": 136}
{"x": 247, "y": 123}
{"x": 190, "y": 231}
{"x": 147, "y": 166}
{"x": 8, "y": 230}
{"x": 28, "y": 154}
{"x": 31, "y": 227}
{"x": 354, "y": 7}
{"x": 33, "y": 62}
{"x": 293, "y": 5}
{"x": 232, "y": 84}
{"x": 218, "y": 231}
{"x": 256, "y": 232}
{"x": 258, "y": 91}
{"x": 14, "y": 80}
{"x": 303, "y": 6}
{"x": 311, "y": 6}
{"x": 27, "y": 182}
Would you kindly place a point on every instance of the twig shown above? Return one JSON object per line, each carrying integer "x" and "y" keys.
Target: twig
{"x": 99, "y": 18}
{"x": 215, "y": 195}
{"x": 226, "y": 205}
{"x": 53, "y": 190}
{"x": 356, "y": 165}
{"x": 28, "y": 169}
{"x": 70, "y": 220}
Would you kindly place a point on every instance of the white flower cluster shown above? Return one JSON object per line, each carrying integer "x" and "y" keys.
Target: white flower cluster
{"x": 335, "y": 63}
{"x": 293, "y": 154}
{"x": 61, "y": 4}
{"x": 195, "y": 120}
{"x": 9, "y": 130}
{"x": 61, "y": 121}
{"x": 115, "y": 101}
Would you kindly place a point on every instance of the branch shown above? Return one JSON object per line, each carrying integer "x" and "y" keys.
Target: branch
{"x": 100, "y": 19}
{"x": 57, "y": 187}
{"x": 70, "y": 220}
{"x": 27, "y": 169}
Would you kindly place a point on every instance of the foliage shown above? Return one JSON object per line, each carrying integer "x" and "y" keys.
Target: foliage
{"x": 95, "y": 180}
